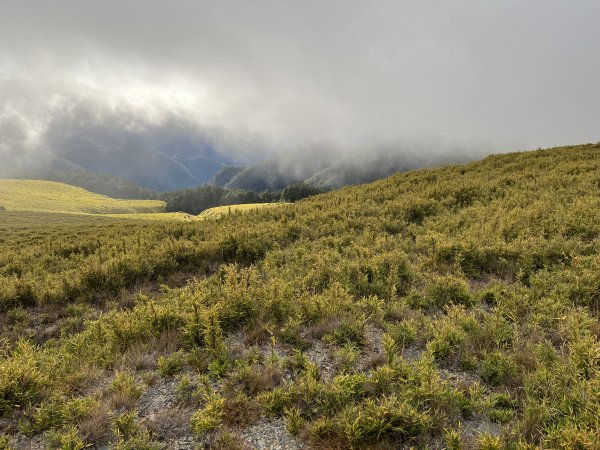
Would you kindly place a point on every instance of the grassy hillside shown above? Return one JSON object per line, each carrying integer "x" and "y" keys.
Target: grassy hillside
{"x": 220, "y": 211}
{"x": 99, "y": 183}
{"x": 448, "y": 308}
{"x": 163, "y": 216}
{"x": 35, "y": 195}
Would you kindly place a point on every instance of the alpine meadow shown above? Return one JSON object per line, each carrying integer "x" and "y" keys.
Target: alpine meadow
{"x": 453, "y": 307}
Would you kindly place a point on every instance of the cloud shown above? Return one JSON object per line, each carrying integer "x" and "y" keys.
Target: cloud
{"x": 259, "y": 76}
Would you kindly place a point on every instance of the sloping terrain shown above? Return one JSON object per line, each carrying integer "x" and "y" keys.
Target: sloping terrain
{"x": 447, "y": 308}
{"x": 225, "y": 174}
{"x": 220, "y": 211}
{"x": 36, "y": 195}
{"x": 100, "y": 183}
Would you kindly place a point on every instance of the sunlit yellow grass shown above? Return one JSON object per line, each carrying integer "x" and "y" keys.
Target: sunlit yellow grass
{"x": 52, "y": 197}
{"x": 36, "y": 195}
{"x": 219, "y": 211}
{"x": 173, "y": 216}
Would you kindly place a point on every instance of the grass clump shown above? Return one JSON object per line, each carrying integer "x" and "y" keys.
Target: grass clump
{"x": 348, "y": 333}
{"x": 448, "y": 290}
{"x": 294, "y": 421}
{"x": 380, "y": 420}
{"x": 59, "y": 412}
{"x": 22, "y": 381}
{"x": 131, "y": 435}
{"x": 210, "y": 416}
{"x": 124, "y": 391}
{"x": 5, "y": 442}
{"x": 171, "y": 364}
{"x": 67, "y": 439}
{"x": 498, "y": 368}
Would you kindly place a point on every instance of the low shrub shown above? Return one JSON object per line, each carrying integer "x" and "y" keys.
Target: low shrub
{"x": 449, "y": 290}
{"x": 22, "y": 381}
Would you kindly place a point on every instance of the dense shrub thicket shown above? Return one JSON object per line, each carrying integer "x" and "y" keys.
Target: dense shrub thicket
{"x": 456, "y": 307}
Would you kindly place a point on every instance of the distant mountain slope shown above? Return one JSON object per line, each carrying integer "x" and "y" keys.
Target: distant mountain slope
{"x": 225, "y": 175}
{"x": 201, "y": 167}
{"x": 173, "y": 160}
{"x": 38, "y": 195}
{"x": 265, "y": 177}
{"x": 132, "y": 161}
{"x": 161, "y": 158}
{"x": 284, "y": 169}
{"x": 330, "y": 169}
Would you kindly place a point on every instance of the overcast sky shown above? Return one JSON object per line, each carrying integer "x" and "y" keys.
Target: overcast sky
{"x": 500, "y": 75}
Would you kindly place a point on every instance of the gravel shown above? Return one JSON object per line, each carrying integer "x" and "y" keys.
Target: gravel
{"x": 157, "y": 397}
{"x": 320, "y": 354}
{"x": 269, "y": 434}
{"x": 159, "y": 411}
{"x": 472, "y": 428}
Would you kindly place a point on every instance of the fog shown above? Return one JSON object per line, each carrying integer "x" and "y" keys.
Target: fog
{"x": 247, "y": 79}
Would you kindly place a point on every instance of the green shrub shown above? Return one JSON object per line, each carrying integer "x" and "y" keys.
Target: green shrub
{"x": 347, "y": 357}
{"x": 124, "y": 390}
{"x": 419, "y": 209}
{"x": 488, "y": 442}
{"x": 491, "y": 268}
{"x": 5, "y": 442}
{"x": 58, "y": 412}
{"x": 322, "y": 429}
{"x": 293, "y": 420}
{"x": 210, "y": 417}
{"x": 126, "y": 425}
{"x": 276, "y": 401}
{"x": 387, "y": 418}
{"x": 131, "y": 435}
{"x": 449, "y": 290}
{"x": 171, "y": 364}
{"x": 497, "y": 368}
{"x": 447, "y": 339}
{"x": 67, "y": 439}
{"x": 17, "y": 315}
{"x": 22, "y": 381}
{"x": 404, "y": 332}
{"x": 352, "y": 333}
{"x": 453, "y": 439}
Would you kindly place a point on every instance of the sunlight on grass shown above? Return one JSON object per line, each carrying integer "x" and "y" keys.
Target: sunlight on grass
{"x": 36, "y": 195}
{"x": 220, "y": 211}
